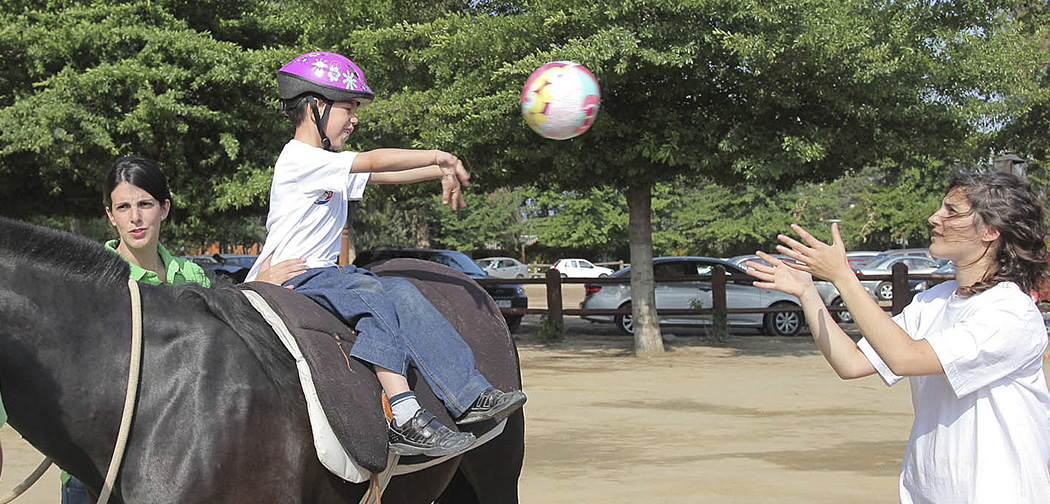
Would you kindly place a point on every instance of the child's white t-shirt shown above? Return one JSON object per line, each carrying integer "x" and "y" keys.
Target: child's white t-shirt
{"x": 308, "y": 198}
{"x": 982, "y": 429}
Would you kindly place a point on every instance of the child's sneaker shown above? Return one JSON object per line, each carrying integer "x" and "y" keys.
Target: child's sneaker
{"x": 492, "y": 403}
{"x": 424, "y": 435}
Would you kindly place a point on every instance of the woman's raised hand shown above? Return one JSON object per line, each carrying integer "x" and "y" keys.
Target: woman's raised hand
{"x": 823, "y": 260}
{"x": 777, "y": 276}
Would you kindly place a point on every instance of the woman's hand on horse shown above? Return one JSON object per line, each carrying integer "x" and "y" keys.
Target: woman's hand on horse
{"x": 281, "y": 272}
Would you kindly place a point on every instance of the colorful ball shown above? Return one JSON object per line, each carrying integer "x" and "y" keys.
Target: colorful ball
{"x": 560, "y": 100}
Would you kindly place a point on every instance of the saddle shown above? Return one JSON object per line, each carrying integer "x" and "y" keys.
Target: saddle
{"x": 344, "y": 398}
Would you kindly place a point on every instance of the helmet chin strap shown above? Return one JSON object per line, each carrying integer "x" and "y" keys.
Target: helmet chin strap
{"x": 322, "y": 121}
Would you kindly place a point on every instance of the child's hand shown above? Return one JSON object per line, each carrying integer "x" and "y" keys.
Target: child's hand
{"x": 454, "y": 178}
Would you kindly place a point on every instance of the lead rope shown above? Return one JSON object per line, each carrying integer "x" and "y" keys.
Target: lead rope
{"x": 131, "y": 395}
{"x": 20, "y": 488}
{"x": 125, "y": 421}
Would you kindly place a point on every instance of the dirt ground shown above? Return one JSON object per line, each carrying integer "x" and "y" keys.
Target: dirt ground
{"x": 754, "y": 419}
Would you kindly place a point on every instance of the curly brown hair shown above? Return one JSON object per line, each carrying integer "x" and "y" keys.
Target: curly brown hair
{"x": 1007, "y": 203}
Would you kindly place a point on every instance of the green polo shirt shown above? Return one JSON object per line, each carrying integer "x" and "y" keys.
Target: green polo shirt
{"x": 179, "y": 270}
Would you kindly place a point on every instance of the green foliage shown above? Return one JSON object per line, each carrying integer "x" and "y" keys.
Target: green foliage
{"x": 96, "y": 81}
{"x": 594, "y": 220}
{"x": 742, "y": 92}
{"x": 726, "y": 104}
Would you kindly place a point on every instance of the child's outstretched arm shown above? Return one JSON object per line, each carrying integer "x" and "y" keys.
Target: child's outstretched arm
{"x": 400, "y": 166}
{"x": 904, "y": 355}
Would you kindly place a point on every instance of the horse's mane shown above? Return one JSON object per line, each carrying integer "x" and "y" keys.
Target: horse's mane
{"x": 70, "y": 256}
{"x": 76, "y": 258}
{"x": 230, "y": 306}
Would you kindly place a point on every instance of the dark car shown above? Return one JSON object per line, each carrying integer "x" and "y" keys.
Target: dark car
{"x": 505, "y": 295}
{"x": 234, "y": 266}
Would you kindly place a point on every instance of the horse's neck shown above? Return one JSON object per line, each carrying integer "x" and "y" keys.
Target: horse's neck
{"x": 64, "y": 351}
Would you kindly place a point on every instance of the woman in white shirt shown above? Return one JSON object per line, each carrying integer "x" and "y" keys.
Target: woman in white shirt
{"x": 972, "y": 348}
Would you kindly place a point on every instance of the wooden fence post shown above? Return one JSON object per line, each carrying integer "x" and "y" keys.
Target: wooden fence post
{"x": 554, "y": 302}
{"x": 719, "y": 317}
{"x": 899, "y": 278}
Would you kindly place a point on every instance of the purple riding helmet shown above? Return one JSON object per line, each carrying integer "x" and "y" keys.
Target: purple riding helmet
{"x": 327, "y": 76}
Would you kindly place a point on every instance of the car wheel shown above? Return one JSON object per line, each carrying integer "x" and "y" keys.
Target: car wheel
{"x": 844, "y": 317}
{"x": 884, "y": 290}
{"x": 564, "y": 276}
{"x": 625, "y": 322}
{"x": 603, "y": 275}
{"x": 519, "y": 275}
{"x": 513, "y": 322}
{"x": 786, "y": 323}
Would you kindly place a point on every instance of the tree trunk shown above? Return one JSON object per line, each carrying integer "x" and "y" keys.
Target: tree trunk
{"x": 422, "y": 229}
{"x": 647, "y": 339}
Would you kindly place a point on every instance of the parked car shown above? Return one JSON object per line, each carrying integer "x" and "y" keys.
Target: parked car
{"x": 858, "y": 258}
{"x": 828, "y": 292}
{"x": 503, "y": 267}
{"x": 883, "y": 289}
{"x": 580, "y": 268}
{"x": 233, "y": 266}
{"x": 947, "y": 268}
{"x": 922, "y": 252}
{"x": 505, "y": 296}
{"x": 682, "y": 295}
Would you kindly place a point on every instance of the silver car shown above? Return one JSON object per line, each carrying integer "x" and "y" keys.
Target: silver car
{"x": 883, "y": 289}
{"x": 682, "y": 295}
{"x": 503, "y": 267}
{"x": 828, "y": 292}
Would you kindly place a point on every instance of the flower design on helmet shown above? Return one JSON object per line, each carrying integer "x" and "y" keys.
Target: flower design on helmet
{"x": 350, "y": 78}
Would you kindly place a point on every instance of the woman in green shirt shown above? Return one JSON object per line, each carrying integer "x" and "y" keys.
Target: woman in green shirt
{"x": 137, "y": 202}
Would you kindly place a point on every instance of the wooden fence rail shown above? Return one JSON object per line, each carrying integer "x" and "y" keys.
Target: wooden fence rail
{"x": 556, "y": 311}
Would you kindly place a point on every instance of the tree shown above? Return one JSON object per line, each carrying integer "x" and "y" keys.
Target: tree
{"x": 182, "y": 83}
{"x": 760, "y": 93}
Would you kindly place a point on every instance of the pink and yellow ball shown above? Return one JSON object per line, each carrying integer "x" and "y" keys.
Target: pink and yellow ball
{"x": 560, "y": 100}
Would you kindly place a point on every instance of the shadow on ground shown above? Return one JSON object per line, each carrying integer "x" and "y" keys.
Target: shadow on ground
{"x": 584, "y": 336}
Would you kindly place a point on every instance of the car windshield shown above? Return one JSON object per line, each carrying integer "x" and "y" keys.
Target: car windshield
{"x": 484, "y": 263}
{"x": 242, "y": 261}
{"x": 457, "y": 260}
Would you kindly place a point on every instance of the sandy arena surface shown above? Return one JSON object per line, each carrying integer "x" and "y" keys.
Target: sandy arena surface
{"x": 754, "y": 419}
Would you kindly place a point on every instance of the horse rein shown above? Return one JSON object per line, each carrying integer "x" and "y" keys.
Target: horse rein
{"x": 134, "y": 371}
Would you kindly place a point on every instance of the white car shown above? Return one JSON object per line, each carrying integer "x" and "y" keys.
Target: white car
{"x": 580, "y": 268}
{"x": 503, "y": 267}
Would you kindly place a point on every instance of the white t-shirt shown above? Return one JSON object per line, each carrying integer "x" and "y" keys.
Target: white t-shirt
{"x": 308, "y": 197}
{"x": 982, "y": 429}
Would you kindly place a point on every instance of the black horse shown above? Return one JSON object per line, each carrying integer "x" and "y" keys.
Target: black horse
{"x": 220, "y": 415}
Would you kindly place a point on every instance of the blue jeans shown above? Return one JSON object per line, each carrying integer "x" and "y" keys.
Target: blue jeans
{"x": 73, "y": 492}
{"x": 396, "y": 324}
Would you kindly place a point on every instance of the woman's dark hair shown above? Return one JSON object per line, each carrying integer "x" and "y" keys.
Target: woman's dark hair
{"x": 1007, "y": 203}
{"x": 139, "y": 172}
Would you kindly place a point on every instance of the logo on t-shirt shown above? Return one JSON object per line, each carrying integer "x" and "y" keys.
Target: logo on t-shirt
{"x": 325, "y": 198}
